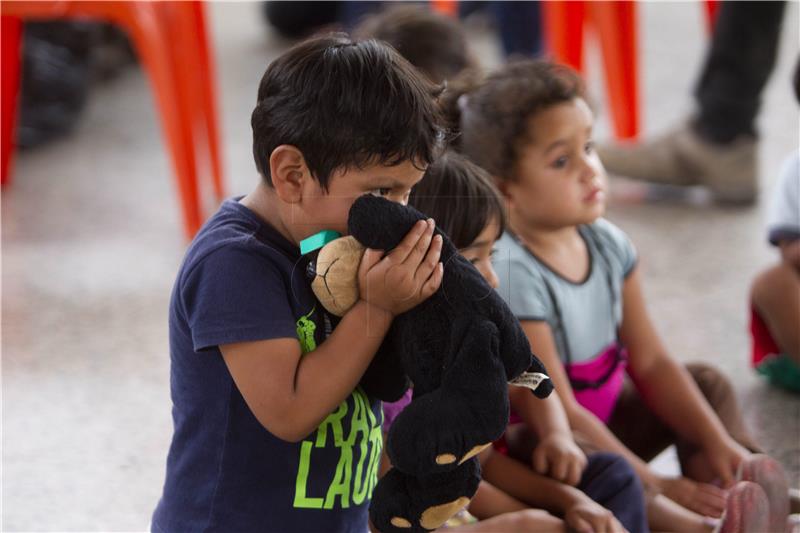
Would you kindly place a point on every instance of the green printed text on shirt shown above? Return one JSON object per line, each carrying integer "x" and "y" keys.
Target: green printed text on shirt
{"x": 355, "y": 431}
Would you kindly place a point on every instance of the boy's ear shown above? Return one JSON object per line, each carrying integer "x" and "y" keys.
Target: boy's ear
{"x": 288, "y": 171}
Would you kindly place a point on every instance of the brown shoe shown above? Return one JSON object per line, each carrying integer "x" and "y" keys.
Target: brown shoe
{"x": 682, "y": 157}
{"x": 746, "y": 511}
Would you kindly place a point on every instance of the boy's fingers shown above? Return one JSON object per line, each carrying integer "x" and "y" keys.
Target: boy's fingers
{"x": 369, "y": 259}
{"x": 434, "y": 282}
{"x": 418, "y": 252}
{"x": 401, "y": 251}
{"x": 427, "y": 266}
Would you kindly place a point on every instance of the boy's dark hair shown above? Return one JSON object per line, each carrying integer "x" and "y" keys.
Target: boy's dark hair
{"x": 494, "y": 113}
{"x": 345, "y": 104}
{"x": 460, "y": 197}
{"x": 432, "y": 42}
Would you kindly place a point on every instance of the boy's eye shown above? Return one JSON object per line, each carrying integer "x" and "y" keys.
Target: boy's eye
{"x": 493, "y": 252}
{"x": 561, "y": 162}
{"x": 473, "y": 260}
{"x": 381, "y": 191}
{"x": 589, "y": 147}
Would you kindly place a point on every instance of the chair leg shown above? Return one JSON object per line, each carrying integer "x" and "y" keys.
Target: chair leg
{"x": 150, "y": 36}
{"x": 563, "y": 23}
{"x": 11, "y": 32}
{"x": 712, "y": 8}
{"x": 207, "y": 86}
{"x": 445, "y": 7}
{"x": 615, "y": 22}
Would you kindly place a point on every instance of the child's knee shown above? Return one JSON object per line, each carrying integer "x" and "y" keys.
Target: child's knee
{"x": 711, "y": 382}
{"x": 773, "y": 284}
{"x": 613, "y": 468}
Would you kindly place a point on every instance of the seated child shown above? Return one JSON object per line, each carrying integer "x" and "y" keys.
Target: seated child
{"x": 775, "y": 294}
{"x": 432, "y": 42}
{"x": 271, "y": 432}
{"x": 571, "y": 277}
{"x": 604, "y": 495}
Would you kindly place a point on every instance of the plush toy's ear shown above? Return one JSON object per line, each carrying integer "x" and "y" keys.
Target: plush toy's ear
{"x": 336, "y": 281}
{"x": 379, "y": 223}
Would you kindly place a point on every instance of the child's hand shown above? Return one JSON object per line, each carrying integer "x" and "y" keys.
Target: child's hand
{"x": 701, "y": 498}
{"x": 558, "y": 457}
{"x": 407, "y": 275}
{"x": 724, "y": 458}
{"x": 587, "y": 516}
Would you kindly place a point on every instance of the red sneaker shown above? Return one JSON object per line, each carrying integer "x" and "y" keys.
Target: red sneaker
{"x": 768, "y": 473}
{"x": 746, "y": 511}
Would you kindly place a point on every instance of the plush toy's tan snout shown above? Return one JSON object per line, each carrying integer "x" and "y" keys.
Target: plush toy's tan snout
{"x": 336, "y": 282}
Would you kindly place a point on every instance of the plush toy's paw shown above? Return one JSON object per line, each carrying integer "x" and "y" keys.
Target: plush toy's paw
{"x": 443, "y": 429}
{"x": 403, "y": 503}
{"x": 543, "y": 387}
{"x": 449, "y": 458}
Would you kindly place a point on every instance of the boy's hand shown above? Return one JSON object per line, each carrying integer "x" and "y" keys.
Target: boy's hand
{"x": 558, "y": 457}
{"x": 701, "y": 498}
{"x": 407, "y": 275}
{"x": 586, "y": 516}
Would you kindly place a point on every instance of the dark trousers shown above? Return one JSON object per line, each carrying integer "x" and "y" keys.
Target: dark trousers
{"x": 608, "y": 479}
{"x": 743, "y": 50}
{"x": 611, "y": 481}
{"x": 519, "y": 25}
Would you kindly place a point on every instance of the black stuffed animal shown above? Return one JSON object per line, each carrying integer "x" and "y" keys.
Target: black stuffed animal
{"x": 460, "y": 348}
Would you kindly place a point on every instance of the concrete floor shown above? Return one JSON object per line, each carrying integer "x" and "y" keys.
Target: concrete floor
{"x": 91, "y": 242}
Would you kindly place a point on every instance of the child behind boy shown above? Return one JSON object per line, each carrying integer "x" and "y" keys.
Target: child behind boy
{"x": 601, "y": 495}
{"x": 432, "y": 42}
{"x": 571, "y": 277}
{"x": 775, "y": 295}
{"x": 271, "y": 431}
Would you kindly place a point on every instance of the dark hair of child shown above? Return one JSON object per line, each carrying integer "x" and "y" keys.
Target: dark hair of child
{"x": 493, "y": 113}
{"x": 460, "y": 197}
{"x": 432, "y": 42}
{"x": 345, "y": 104}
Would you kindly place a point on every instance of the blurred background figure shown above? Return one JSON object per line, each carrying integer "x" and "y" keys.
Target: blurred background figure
{"x": 435, "y": 44}
{"x": 775, "y": 295}
{"x": 717, "y": 146}
{"x": 61, "y": 61}
{"x": 518, "y": 23}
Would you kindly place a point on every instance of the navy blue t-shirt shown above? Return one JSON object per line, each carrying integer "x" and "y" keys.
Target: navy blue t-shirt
{"x": 241, "y": 280}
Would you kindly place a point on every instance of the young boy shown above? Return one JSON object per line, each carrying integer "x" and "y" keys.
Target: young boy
{"x": 272, "y": 432}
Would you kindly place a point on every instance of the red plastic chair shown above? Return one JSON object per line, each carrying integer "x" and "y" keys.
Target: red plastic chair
{"x": 615, "y": 25}
{"x": 170, "y": 38}
{"x": 446, "y": 7}
{"x": 614, "y": 22}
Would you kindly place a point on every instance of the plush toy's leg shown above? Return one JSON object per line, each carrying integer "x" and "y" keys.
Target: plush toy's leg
{"x": 469, "y": 410}
{"x": 403, "y": 503}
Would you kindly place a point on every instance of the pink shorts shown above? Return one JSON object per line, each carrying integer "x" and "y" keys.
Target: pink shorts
{"x": 601, "y": 397}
